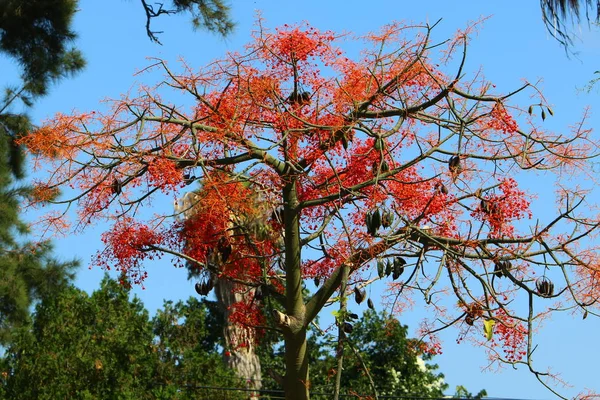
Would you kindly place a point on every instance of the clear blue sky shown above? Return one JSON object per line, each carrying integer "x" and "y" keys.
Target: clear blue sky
{"x": 513, "y": 45}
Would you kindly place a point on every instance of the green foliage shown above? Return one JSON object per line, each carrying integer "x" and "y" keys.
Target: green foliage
{"x": 104, "y": 346}
{"x": 37, "y": 33}
{"x": 383, "y": 348}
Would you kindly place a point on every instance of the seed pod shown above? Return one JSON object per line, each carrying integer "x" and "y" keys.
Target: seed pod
{"x": 224, "y": 248}
{"x": 305, "y": 97}
{"x": 387, "y": 218}
{"x": 485, "y": 206}
{"x": 347, "y": 327}
{"x": 544, "y": 286}
{"x": 469, "y": 320}
{"x": 258, "y": 294}
{"x": 442, "y": 188}
{"x": 117, "y": 187}
{"x": 454, "y": 164}
{"x": 384, "y": 166}
{"x": 543, "y": 115}
{"x": 188, "y": 179}
{"x": 370, "y": 304}
{"x": 359, "y": 295}
{"x": 379, "y": 144}
{"x": 202, "y": 288}
{"x": 550, "y": 111}
{"x": 499, "y": 269}
{"x": 353, "y": 316}
{"x": 317, "y": 281}
{"x": 388, "y": 268}
{"x": 376, "y": 219}
{"x": 399, "y": 263}
{"x": 380, "y": 268}
{"x": 530, "y": 110}
{"x": 369, "y": 222}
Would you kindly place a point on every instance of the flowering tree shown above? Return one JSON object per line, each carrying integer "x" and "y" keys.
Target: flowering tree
{"x": 316, "y": 167}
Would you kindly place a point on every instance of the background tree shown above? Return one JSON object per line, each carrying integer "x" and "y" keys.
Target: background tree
{"x": 557, "y": 13}
{"x": 393, "y": 167}
{"x": 38, "y": 35}
{"x": 104, "y": 346}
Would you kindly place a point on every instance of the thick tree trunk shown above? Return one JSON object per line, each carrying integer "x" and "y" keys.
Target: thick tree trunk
{"x": 296, "y": 366}
{"x": 243, "y": 360}
{"x": 296, "y": 382}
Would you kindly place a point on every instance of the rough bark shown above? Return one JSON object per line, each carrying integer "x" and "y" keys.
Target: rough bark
{"x": 242, "y": 359}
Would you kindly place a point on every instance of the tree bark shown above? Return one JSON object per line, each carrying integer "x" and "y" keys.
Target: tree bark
{"x": 296, "y": 383}
{"x": 243, "y": 360}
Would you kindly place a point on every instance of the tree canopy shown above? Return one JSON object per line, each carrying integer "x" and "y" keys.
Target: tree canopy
{"x": 395, "y": 165}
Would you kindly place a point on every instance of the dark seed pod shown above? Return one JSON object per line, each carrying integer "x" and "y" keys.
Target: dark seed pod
{"x": 188, "y": 179}
{"x": 443, "y": 189}
{"x": 379, "y": 144}
{"x": 380, "y": 268}
{"x": 258, "y": 294}
{"x": 376, "y": 219}
{"x": 454, "y": 164}
{"x": 498, "y": 269}
{"x": 469, "y": 320}
{"x": 347, "y": 327}
{"x": 387, "y": 218}
{"x": 544, "y": 286}
{"x": 317, "y": 281}
{"x": 202, "y": 288}
{"x": 359, "y": 295}
{"x": 369, "y": 222}
{"x": 224, "y": 249}
{"x": 388, "y": 268}
{"x": 485, "y": 206}
{"x": 370, "y": 304}
{"x": 116, "y": 187}
{"x": 305, "y": 97}
{"x": 353, "y": 316}
{"x": 399, "y": 263}
{"x": 384, "y": 166}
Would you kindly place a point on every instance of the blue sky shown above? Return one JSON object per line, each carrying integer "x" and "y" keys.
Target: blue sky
{"x": 512, "y": 45}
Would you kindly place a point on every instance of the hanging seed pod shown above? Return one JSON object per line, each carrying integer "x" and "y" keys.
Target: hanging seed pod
{"x": 469, "y": 320}
{"x": 188, "y": 179}
{"x": 353, "y": 316}
{"x": 369, "y": 222}
{"x": 317, "y": 281}
{"x": 347, "y": 327}
{"x": 376, "y": 219}
{"x": 116, "y": 186}
{"x": 387, "y": 218}
{"x": 550, "y": 111}
{"x": 544, "y": 286}
{"x": 224, "y": 248}
{"x": 202, "y": 288}
{"x": 359, "y": 295}
{"x": 454, "y": 164}
{"x": 399, "y": 264}
{"x": 380, "y": 268}
{"x": 379, "y": 144}
{"x": 501, "y": 268}
{"x": 258, "y": 294}
{"x": 370, "y": 304}
{"x": 388, "y": 267}
{"x": 530, "y": 109}
{"x": 485, "y": 206}
{"x": 304, "y": 97}
{"x": 442, "y": 188}
{"x": 543, "y": 115}
{"x": 384, "y": 166}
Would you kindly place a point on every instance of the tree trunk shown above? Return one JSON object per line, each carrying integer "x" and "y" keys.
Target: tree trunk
{"x": 243, "y": 360}
{"x": 297, "y": 381}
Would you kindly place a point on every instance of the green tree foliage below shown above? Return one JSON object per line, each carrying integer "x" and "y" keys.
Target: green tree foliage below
{"x": 104, "y": 346}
